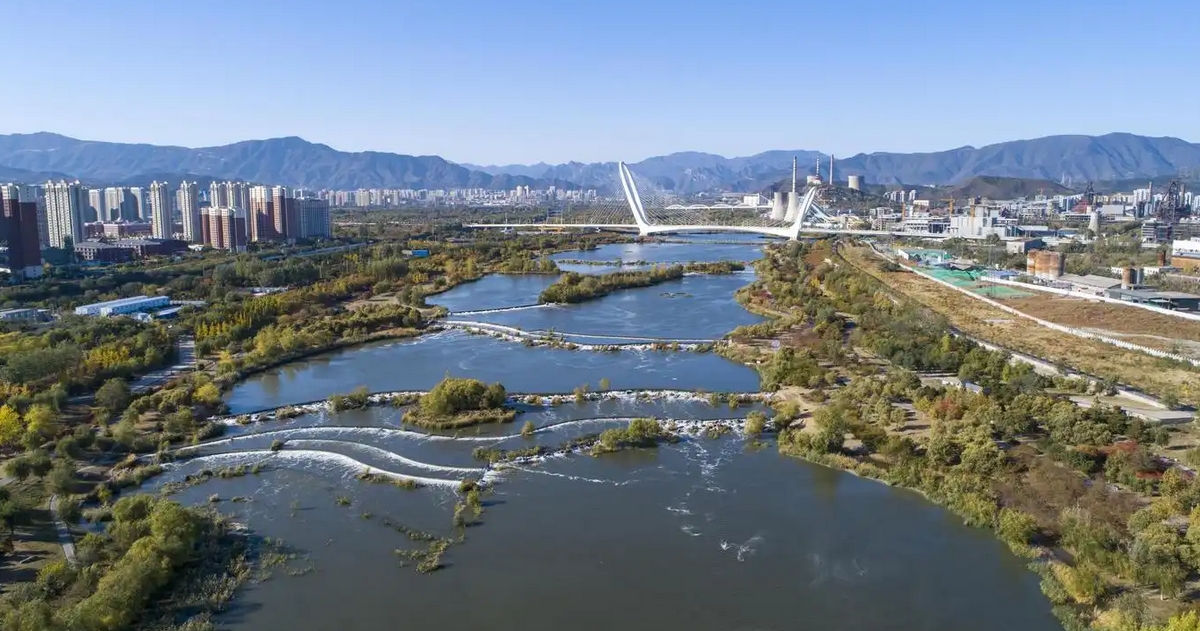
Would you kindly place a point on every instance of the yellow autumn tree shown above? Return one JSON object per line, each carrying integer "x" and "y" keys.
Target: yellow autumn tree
{"x": 11, "y": 427}
{"x": 41, "y": 422}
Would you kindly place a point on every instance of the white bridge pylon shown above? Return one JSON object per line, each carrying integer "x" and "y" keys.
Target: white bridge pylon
{"x": 796, "y": 216}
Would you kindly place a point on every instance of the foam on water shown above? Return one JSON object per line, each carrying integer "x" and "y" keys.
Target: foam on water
{"x": 742, "y": 550}
{"x": 628, "y": 343}
{"x": 501, "y": 310}
{"x": 324, "y": 445}
{"x": 574, "y": 478}
{"x": 302, "y": 457}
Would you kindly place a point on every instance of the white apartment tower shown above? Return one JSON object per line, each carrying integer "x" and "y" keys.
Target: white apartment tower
{"x": 188, "y": 200}
{"x": 218, "y": 197}
{"x": 65, "y": 202}
{"x": 137, "y": 204}
{"x": 96, "y": 202}
{"x": 161, "y": 226}
{"x": 116, "y": 204}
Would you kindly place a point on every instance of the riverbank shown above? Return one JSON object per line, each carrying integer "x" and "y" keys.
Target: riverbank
{"x": 241, "y": 372}
{"x": 992, "y": 457}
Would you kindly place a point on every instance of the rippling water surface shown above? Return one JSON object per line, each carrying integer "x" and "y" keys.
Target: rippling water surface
{"x": 710, "y": 534}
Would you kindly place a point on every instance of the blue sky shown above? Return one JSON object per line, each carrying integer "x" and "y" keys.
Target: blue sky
{"x": 489, "y": 82}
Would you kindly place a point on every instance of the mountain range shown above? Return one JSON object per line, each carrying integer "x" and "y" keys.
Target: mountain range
{"x": 296, "y": 162}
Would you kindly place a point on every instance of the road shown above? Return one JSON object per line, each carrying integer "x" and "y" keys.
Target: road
{"x": 186, "y": 361}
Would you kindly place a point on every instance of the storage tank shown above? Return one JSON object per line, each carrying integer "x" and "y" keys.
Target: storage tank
{"x": 1127, "y": 280}
{"x": 854, "y": 182}
{"x": 1031, "y": 262}
{"x": 1050, "y": 265}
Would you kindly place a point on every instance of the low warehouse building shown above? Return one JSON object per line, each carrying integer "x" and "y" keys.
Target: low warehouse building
{"x": 1175, "y": 300}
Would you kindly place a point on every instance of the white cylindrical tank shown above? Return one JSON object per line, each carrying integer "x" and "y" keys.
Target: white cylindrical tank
{"x": 854, "y": 182}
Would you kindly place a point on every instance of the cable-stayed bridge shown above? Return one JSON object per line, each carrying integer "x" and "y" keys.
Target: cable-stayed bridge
{"x": 645, "y": 209}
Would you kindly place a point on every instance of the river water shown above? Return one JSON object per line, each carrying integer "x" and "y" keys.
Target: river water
{"x": 710, "y": 534}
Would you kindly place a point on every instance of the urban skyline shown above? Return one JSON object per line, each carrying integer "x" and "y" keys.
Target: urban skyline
{"x": 56, "y": 214}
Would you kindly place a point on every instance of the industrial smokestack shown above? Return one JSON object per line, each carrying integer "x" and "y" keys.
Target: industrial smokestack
{"x": 793, "y": 175}
{"x": 831, "y": 169}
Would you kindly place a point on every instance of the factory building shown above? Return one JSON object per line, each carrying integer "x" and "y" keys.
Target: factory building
{"x": 1174, "y": 300}
{"x": 1186, "y": 254}
{"x": 124, "y": 306}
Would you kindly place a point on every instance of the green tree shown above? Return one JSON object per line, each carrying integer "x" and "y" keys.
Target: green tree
{"x": 756, "y": 422}
{"x": 61, "y": 477}
{"x": 1156, "y": 559}
{"x": 1016, "y": 527}
{"x": 114, "y": 395}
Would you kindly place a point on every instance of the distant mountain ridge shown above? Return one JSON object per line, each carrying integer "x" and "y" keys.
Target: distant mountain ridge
{"x": 288, "y": 161}
{"x": 1116, "y": 156}
{"x": 296, "y": 162}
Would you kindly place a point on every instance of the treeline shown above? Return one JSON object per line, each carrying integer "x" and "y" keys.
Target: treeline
{"x": 573, "y": 287}
{"x": 77, "y": 354}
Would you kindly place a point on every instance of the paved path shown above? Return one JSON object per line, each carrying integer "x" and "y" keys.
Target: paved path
{"x": 186, "y": 351}
{"x": 64, "y": 534}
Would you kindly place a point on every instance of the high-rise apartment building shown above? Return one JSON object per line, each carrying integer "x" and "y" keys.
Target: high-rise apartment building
{"x": 224, "y": 228}
{"x": 95, "y": 209}
{"x": 161, "y": 224}
{"x": 218, "y": 197}
{"x": 188, "y": 200}
{"x": 258, "y": 219}
{"x": 138, "y": 209}
{"x": 43, "y": 227}
{"x": 19, "y": 230}
{"x": 119, "y": 204}
{"x": 65, "y": 202}
{"x": 64, "y": 212}
{"x": 312, "y": 219}
{"x": 283, "y": 214}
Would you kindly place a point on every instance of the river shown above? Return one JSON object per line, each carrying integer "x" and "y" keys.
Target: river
{"x": 710, "y": 534}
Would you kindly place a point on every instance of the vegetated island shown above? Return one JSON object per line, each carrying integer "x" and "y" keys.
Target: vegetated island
{"x": 456, "y": 402}
{"x": 574, "y": 287}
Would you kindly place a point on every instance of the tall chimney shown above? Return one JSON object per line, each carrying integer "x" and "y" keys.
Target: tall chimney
{"x": 793, "y": 174}
{"x": 831, "y": 169}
